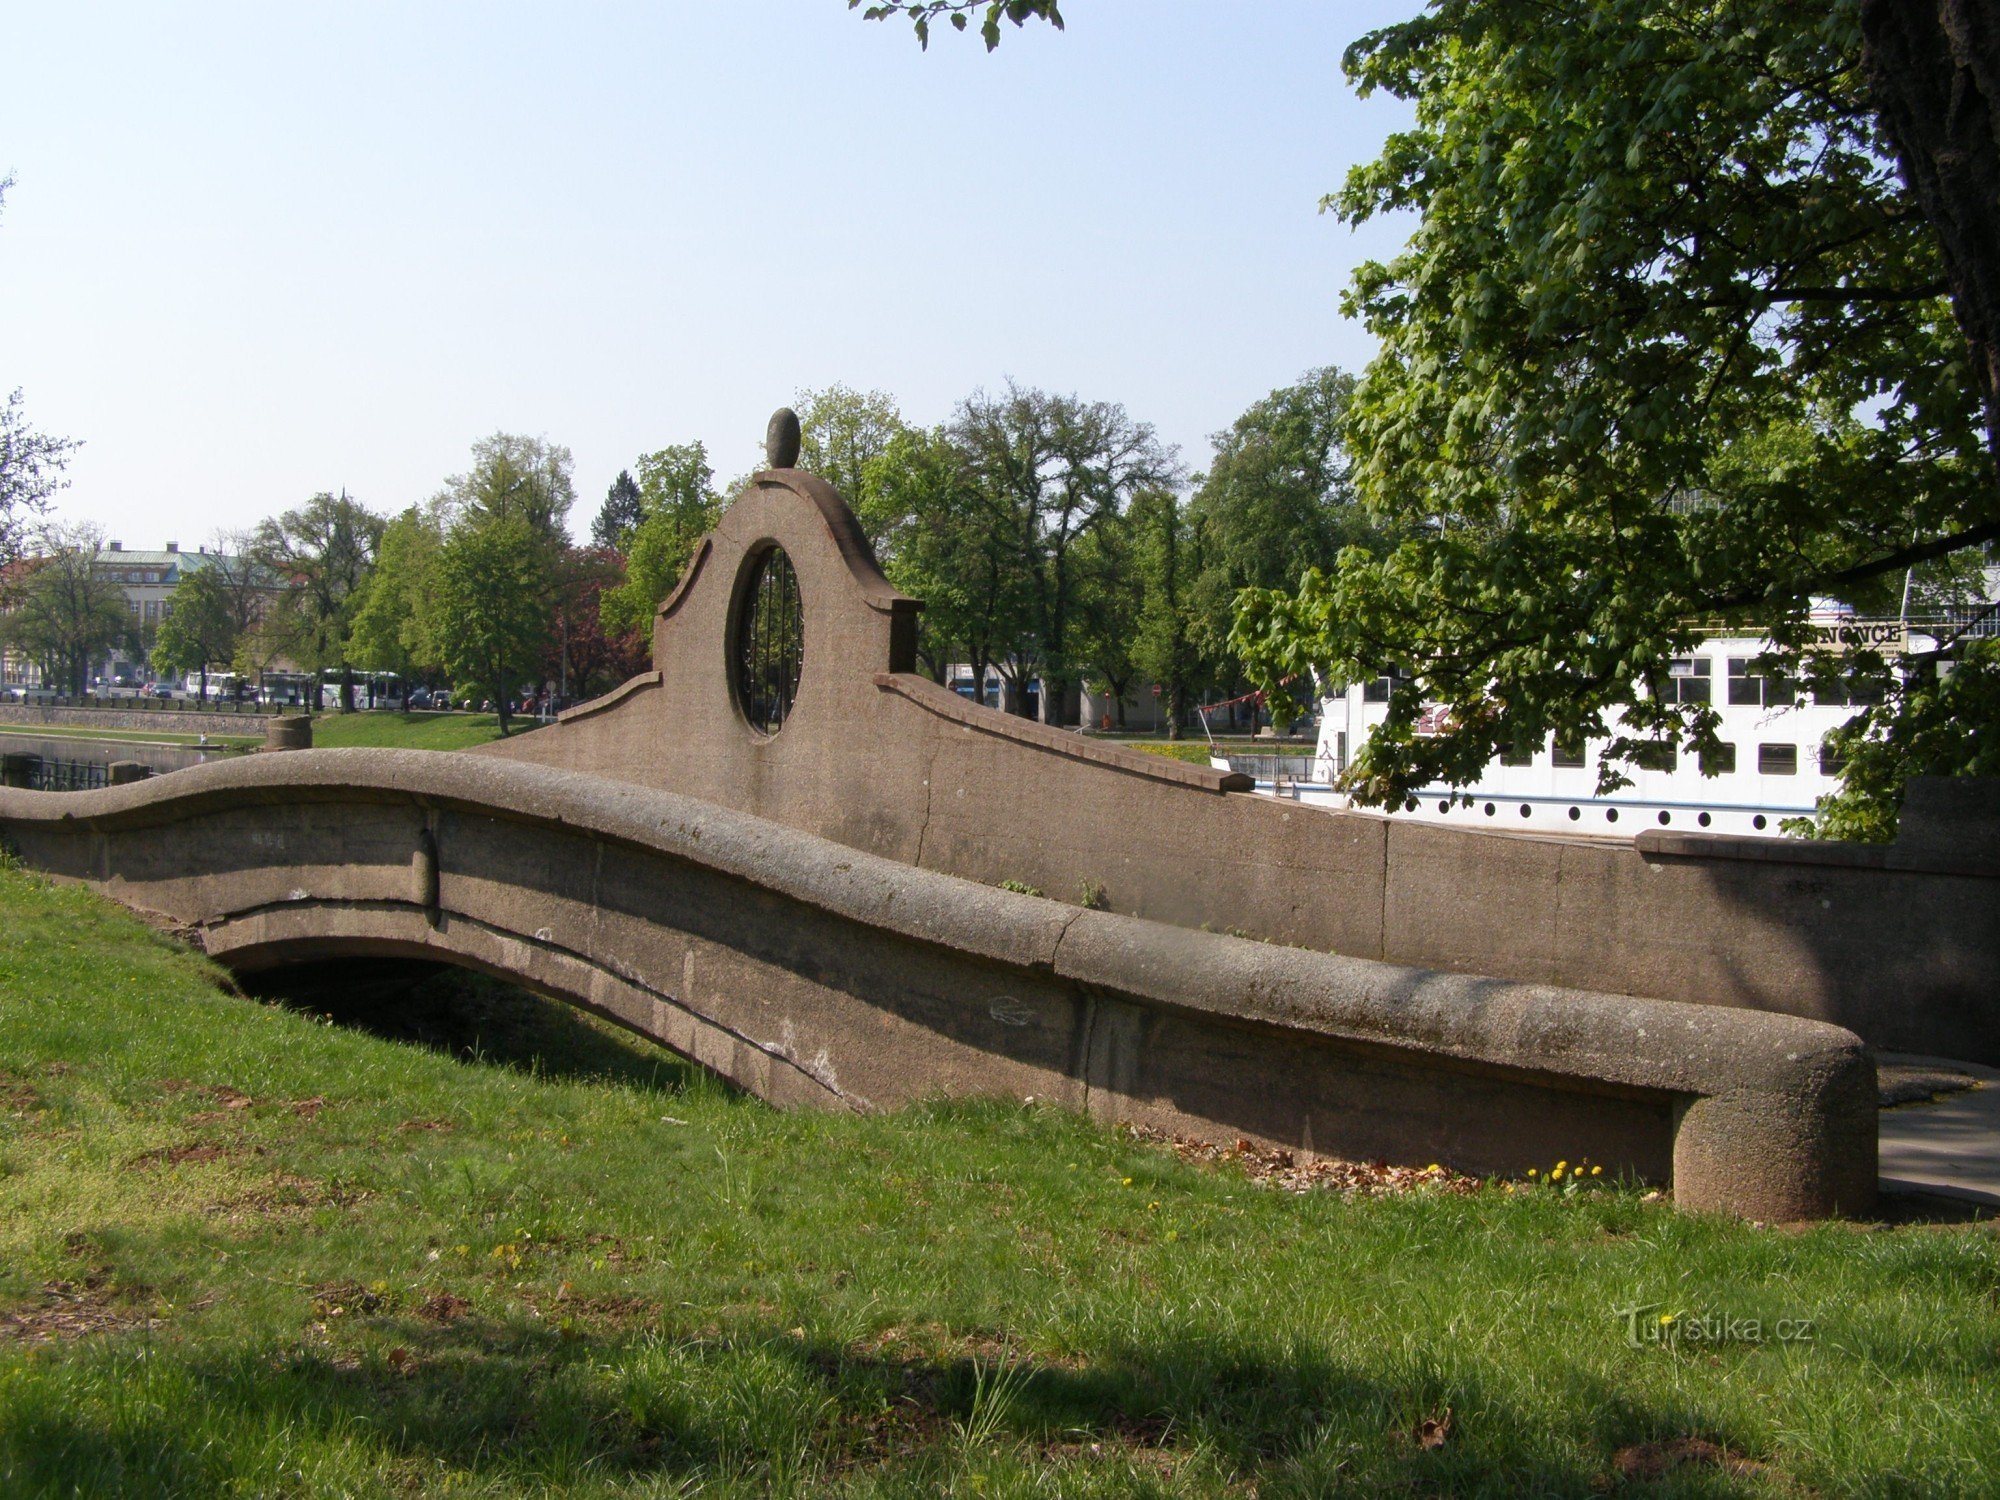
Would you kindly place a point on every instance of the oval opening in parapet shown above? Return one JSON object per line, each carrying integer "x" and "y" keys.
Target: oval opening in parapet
{"x": 770, "y": 642}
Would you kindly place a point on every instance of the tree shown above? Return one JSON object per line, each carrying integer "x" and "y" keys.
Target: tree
{"x": 62, "y": 612}
{"x": 1056, "y": 466}
{"x": 841, "y": 432}
{"x": 489, "y": 605}
{"x": 1168, "y": 559}
{"x": 956, "y": 546}
{"x": 392, "y": 629}
{"x": 1278, "y": 501}
{"x": 1671, "y": 342}
{"x": 319, "y": 555}
{"x": 619, "y": 516}
{"x": 515, "y": 475}
{"x": 581, "y": 658}
{"x": 201, "y": 632}
{"x": 1110, "y": 595}
{"x": 680, "y": 506}
{"x": 31, "y": 465}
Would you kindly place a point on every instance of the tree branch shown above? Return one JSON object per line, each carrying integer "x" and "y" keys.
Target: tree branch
{"x": 1908, "y": 557}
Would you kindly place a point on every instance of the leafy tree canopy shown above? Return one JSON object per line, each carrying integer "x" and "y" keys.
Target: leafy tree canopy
{"x": 1670, "y": 341}
{"x": 679, "y": 504}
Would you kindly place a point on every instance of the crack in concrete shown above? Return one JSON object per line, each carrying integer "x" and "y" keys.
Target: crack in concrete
{"x": 930, "y": 800}
{"x": 1086, "y": 1025}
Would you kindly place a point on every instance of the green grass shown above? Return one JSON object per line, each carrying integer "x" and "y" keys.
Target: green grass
{"x": 488, "y": 1248}
{"x": 397, "y": 731}
{"x": 130, "y": 736}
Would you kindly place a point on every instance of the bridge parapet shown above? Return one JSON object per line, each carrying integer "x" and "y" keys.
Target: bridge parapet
{"x": 816, "y": 974}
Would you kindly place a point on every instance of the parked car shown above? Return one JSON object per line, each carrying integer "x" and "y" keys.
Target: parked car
{"x": 420, "y": 697}
{"x": 158, "y": 690}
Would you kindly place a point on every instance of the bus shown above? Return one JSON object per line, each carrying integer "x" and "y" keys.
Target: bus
{"x": 371, "y": 689}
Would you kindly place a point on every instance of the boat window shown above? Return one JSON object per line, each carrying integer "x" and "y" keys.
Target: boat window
{"x": 1851, "y": 690}
{"x": 1656, "y": 757}
{"x": 1749, "y": 685}
{"x": 1689, "y": 678}
{"x": 1831, "y": 761}
{"x": 1568, "y": 753}
{"x": 1720, "y": 761}
{"x": 1378, "y": 689}
{"x": 1777, "y": 760}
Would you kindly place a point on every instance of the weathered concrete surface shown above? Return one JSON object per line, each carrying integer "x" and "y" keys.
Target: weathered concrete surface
{"x": 814, "y": 973}
{"x": 1901, "y": 946}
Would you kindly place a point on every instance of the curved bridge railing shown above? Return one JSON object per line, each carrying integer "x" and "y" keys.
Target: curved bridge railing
{"x": 815, "y": 974}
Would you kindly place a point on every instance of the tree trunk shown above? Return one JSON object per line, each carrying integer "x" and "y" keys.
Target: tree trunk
{"x": 1933, "y": 68}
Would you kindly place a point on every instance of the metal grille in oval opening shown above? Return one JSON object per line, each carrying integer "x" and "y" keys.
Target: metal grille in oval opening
{"x": 770, "y": 643}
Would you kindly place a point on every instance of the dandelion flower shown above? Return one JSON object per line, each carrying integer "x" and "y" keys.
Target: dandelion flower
{"x": 1597, "y": 1171}
{"x": 1561, "y": 1165}
{"x": 1532, "y": 1171}
{"x": 1666, "y": 1318}
{"x": 1126, "y": 1181}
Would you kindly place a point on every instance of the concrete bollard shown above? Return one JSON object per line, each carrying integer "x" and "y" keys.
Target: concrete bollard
{"x": 124, "y": 772}
{"x": 289, "y": 734}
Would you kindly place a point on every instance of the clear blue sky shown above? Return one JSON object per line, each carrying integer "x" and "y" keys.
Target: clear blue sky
{"x": 257, "y": 250}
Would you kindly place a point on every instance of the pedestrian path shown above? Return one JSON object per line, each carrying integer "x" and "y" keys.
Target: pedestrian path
{"x": 1940, "y": 1142}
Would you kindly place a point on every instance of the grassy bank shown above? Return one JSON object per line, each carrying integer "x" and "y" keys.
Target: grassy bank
{"x": 502, "y": 1251}
{"x": 394, "y": 731}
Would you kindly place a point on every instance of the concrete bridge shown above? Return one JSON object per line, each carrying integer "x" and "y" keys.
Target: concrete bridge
{"x": 777, "y": 853}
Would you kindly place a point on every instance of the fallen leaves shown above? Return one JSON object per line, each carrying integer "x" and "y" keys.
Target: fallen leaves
{"x": 1279, "y": 1168}
{"x": 1652, "y": 1460}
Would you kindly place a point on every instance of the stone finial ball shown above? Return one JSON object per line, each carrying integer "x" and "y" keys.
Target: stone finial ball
{"x": 781, "y": 439}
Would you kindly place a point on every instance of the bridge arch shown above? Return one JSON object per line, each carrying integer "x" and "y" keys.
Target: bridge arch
{"x": 816, "y": 975}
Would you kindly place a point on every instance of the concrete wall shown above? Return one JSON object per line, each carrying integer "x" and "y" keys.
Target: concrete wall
{"x": 818, "y": 975}
{"x": 1901, "y": 946}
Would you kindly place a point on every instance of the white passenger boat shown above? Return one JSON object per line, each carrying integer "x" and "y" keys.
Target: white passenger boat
{"x": 1773, "y": 765}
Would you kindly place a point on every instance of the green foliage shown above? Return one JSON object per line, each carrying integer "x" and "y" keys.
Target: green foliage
{"x": 393, "y": 628}
{"x": 842, "y": 432}
{"x": 1169, "y": 561}
{"x": 1277, "y": 502}
{"x": 1669, "y": 340}
{"x": 1930, "y": 723}
{"x": 959, "y": 12}
{"x": 620, "y": 514}
{"x": 679, "y": 506}
{"x": 490, "y": 606}
{"x": 953, "y": 543}
{"x": 60, "y": 611}
{"x": 1050, "y": 469}
{"x": 321, "y": 553}
{"x": 202, "y": 631}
